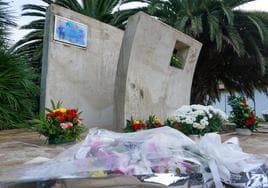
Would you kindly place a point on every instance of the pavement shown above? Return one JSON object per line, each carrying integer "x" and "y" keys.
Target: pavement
{"x": 18, "y": 146}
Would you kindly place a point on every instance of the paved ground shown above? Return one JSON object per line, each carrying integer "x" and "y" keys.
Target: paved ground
{"x": 20, "y": 146}
{"x": 256, "y": 143}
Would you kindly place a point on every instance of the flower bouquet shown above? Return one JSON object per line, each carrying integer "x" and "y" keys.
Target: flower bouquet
{"x": 197, "y": 119}
{"x": 60, "y": 125}
{"x": 265, "y": 115}
{"x": 134, "y": 125}
{"x": 241, "y": 113}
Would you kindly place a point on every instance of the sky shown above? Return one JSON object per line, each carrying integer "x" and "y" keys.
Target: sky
{"x": 16, "y": 6}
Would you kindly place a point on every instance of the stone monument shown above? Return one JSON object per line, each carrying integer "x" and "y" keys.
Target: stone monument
{"x": 82, "y": 77}
{"x": 146, "y": 83}
{"x": 85, "y": 66}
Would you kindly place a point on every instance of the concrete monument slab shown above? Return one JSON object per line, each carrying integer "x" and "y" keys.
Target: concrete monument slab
{"x": 146, "y": 81}
{"x": 82, "y": 78}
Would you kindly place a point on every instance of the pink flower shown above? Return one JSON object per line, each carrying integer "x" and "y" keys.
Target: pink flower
{"x": 79, "y": 122}
{"x": 66, "y": 125}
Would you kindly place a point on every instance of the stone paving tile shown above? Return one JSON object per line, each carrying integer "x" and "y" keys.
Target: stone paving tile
{"x": 18, "y": 146}
{"x": 257, "y": 143}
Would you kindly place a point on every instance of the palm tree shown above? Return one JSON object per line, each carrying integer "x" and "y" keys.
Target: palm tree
{"x": 17, "y": 90}
{"x": 6, "y": 21}
{"x": 16, "y": 86}
{"x": 104, "y": 10}
{"x": 233, "y": 44}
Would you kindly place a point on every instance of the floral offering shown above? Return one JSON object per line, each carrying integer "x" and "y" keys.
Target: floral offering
{"x": 153, "y": 122}
{"x": 60, "y": 124}
{"x": 134, "y": 125}
{"x": 197, "y": 119}
{"x": 241, "y": 114}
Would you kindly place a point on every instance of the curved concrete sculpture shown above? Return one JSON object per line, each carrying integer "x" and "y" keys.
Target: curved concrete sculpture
{"x": 83, "y": 78}
{"x": 146, "y": 84}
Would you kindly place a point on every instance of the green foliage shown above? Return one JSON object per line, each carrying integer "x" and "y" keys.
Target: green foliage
{"x": 234, "y": 44}
{"x": 241, "y": 113}
{"x": 17, "y": 90}
{"x": 176, "y": 61}
{"x": 59, "y": 125}
{"x": 265, "y": 117}
{"x": 260, "y": 119}
{"x": 215, "y": 124}
{"x": 6, "y": 21}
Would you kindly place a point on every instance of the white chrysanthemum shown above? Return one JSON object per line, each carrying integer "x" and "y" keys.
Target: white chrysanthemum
{"x": 188, "y": 121}
{"x": 204, "y": 122}
{"x": 196, "y": 125}
{"x": 201, "y": 126}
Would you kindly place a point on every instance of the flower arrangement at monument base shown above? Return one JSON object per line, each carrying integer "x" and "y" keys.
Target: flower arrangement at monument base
{"x": 242, "y": 115}
{"x": 197, "y": 119}
{"x": 134, "y": 125}
{"x": 60, "y": 125}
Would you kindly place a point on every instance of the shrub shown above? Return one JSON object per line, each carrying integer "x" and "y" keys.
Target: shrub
{"x": 17, "y": 91}
{"x": 265, "y": 115}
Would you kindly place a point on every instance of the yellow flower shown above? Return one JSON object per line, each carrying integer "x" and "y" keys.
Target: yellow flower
{"x": 62, "y": 110}
{"x": 97, "y": 174}
{"x": 173, "y": 120}
{"x": 136, "y": 121}
{"x": 156, "y": 120}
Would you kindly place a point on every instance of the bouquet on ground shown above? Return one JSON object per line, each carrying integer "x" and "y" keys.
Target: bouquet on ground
{"x": 59, "y": 125}
{"x": 265, "y": 115}
{"x": 241, "y": 114}
{"x": 134, "y": 125}
{"x": 197, "y": 119}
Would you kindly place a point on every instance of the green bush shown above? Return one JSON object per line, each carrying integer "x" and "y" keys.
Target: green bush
{"x": 17, "y": 91}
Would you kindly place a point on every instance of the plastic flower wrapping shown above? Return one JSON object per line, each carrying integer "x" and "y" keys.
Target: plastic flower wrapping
{"x": 162, "y": 155}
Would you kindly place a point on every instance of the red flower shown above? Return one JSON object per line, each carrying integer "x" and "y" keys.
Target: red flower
{"x": 69, "y": 116}
{"x": 248, "y": 122}
{"x": 252, "y": 116}
{"x": 157, "y": 125}
{"x": 71, "y": 111}
{"x": 60, "y": 118}
{"x": 75, "y": 115}
{"x": 58, "y": 113}
{"x": 51, "y": 114}
{"x": 251, "y": 120}
{"x": 138, "y": 126}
